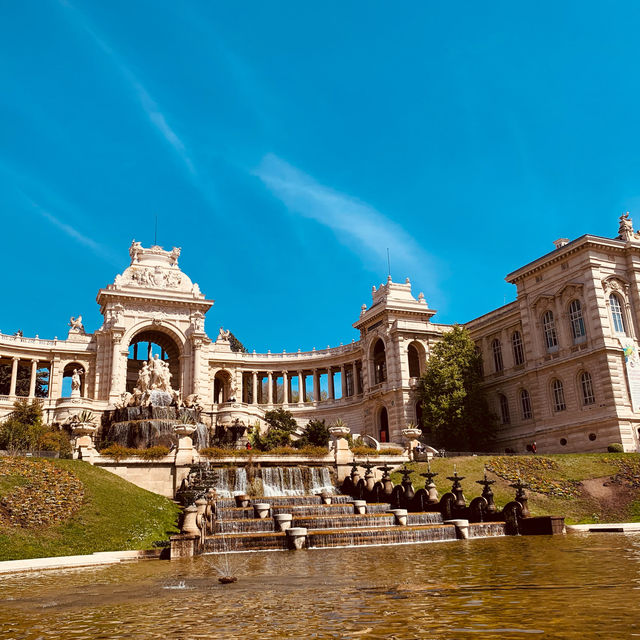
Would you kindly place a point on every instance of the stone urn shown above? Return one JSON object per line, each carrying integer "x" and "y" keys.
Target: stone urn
{"x": 339, "y": 432}
{"x": 184, "y": 430}
{"x": 411, "y": 435}
{"x": 83, "y": 433}
{"x": 400, "y": 516}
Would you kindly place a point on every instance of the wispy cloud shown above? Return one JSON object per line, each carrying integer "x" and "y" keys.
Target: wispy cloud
{"x": 148, "y": 104}
{"x": 354, "y": 222}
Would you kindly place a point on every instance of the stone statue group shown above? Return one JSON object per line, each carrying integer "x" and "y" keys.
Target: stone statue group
{"x": 155, "y": 376}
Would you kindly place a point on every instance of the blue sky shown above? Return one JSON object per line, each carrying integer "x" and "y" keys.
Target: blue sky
{"x": 285, "y": 145}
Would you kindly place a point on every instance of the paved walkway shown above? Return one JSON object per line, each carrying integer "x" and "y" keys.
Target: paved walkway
{"x": 67, "y": 562}
{"x": 616, "y": 527}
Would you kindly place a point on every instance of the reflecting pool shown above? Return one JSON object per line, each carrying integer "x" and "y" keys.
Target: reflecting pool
{"x": 574, "y": 586}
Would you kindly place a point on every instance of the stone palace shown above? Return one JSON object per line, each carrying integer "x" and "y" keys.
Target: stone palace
{"x": 561, "y": 361}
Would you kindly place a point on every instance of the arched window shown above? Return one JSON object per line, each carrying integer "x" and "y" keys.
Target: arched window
{"x": 616, "y": 314}
{"x": 414, "y": 361}
{"x": 576, "y": 320}
{"x": 518, "y": 348}
{"x": 379, "y": 362}
{"x": 586, "y": 384}
{"x": 525, "y": 405}
{"x": 558, "y": 396}
{"x": 549, "y": 330}
{"x": 496, "y": 347}
{"x": 504, "y": 409}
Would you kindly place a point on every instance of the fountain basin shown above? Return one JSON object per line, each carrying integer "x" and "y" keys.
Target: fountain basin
{"x": 400, "y": 516}
{"x": 360, "y": 506}
{"x": 462, "y": 527}
{"x": 283, "y": 521}
{"x": 297, "y": 537}
{"x": 261, "y": 509}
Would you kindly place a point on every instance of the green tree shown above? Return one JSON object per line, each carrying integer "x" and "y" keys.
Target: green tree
{"x": 455, "y": 414}
{"x": 23, "y": 428}
{"x": 316, "y": 434}
{"x": 236, "y": 345}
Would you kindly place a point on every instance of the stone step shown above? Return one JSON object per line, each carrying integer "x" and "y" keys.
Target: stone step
{"x": 348, "y": 537}
{"x": 229, "y": 503}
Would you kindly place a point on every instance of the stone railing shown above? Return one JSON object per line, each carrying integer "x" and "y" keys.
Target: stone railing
{"x": 315, "y": 353}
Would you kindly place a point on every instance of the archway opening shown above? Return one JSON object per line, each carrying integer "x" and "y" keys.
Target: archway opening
{"x": 147, "y": 345}
{"x": 67, "y": 379}
{"x": 384, "y": 425}
{"x": 379, "y": 362}
{"x": 221, "y": 387}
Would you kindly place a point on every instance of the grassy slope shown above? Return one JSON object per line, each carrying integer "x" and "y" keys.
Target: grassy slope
{"x": 577, "y": 467}
{"x": 115, "y": 515}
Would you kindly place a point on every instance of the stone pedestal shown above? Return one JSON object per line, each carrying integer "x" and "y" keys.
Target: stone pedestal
{"x": 261, "y": 509}
{"x": 411, "y": 436}
{"x": 185, "y": 452}
{"x": 189, "y": 524}
{"x": 84, "y": 449}
{"x": 341, "y": 450}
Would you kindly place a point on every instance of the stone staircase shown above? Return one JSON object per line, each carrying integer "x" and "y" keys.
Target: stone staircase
{"x": 288, "y": 522}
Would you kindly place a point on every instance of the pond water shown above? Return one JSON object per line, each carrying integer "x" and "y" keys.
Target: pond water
{"x": 574, "y": 586}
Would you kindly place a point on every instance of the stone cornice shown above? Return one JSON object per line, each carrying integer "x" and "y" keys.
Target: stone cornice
{"x": 583, "y": 242}
{"x": 106, "y": 295}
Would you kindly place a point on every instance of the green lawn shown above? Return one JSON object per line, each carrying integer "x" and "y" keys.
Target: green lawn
{"x": 561, "y": 490}
{"x": 114, "y": 515}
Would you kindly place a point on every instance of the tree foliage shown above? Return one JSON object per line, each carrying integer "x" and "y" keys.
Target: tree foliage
{"x": 281, "y": 425}
{"x": 316, "y": 434}
{"x": 22, "y": 430}
{"x": 455, "y": 414}
{"x": 236, "y": 345}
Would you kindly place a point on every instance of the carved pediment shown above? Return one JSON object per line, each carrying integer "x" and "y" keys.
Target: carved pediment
{"x": 614, "y": 284}
{"x": 542, "y": 302}
{"x": 571, "y": 290}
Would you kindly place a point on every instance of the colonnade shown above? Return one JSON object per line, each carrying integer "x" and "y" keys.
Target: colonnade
{"x": 54, "y": 381}
{"x": 253, "y": 384}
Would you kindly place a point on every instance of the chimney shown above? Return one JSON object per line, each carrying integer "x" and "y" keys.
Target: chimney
{"x": 560, "y": 242}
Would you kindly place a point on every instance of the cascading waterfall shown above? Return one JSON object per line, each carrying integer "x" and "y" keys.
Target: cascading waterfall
{"x": 320, "y": 481}
{"x": 282, "y": 481}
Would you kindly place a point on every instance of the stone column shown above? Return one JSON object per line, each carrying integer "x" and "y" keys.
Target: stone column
{"x": 255, "y": 387}
{"x": 197, "y": 352}
{"x": 32, "y": 381}
{"x": 343, "y": 379}
{"x": 115, "y": 392}
{"x": 316, "y": 385}
{"x": 300, "y": 387}
{"x": 270, "y": 387}
{"x": 14, "y": 376}
{"x": 332, "y": 391}
{"x": 285, "y": 387}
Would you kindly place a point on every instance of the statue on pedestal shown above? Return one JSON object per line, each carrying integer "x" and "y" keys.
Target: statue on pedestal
{"x": 76, "y": 383}
{"x": 76, "y": 325}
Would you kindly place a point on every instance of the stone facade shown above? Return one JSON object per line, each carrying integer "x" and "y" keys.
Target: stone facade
{"x": 555, "y": 369}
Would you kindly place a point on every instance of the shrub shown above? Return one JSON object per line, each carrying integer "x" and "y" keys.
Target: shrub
{"x": 615, "y": 447}
{"x": 308, "y": 451}
{"x": 221, "y": 452}
{"x": 153, "y": 453}
{"x": 55, "y": 440}
{"x": 117, "y": 452}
